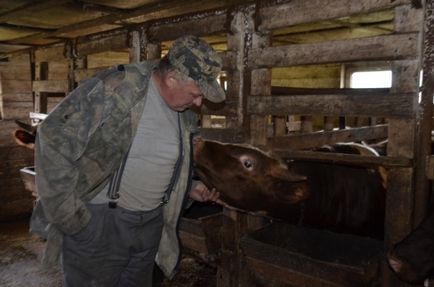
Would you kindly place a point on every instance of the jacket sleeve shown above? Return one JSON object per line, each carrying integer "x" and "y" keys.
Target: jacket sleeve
{"x": 61, "y": 140}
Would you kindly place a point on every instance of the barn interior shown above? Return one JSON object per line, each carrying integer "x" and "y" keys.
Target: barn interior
{"x": 288, "y": 72}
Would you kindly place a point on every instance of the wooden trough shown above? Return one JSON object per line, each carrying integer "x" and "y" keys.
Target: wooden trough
{"x": 287, "y": 255}
{"x": 199, "y": 231}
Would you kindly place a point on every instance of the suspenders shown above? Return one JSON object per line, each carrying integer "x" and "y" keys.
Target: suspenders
{"x": 115, "y": 181}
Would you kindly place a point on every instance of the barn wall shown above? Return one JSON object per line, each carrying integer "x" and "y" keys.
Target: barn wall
{"x": 16, "y": 95}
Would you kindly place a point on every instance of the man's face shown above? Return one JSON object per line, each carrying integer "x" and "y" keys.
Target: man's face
{"x": 183, "y": 95}
{"x": 186, "y": 95}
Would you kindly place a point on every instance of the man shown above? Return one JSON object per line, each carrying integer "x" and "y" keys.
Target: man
{"x": 113, "y": 164}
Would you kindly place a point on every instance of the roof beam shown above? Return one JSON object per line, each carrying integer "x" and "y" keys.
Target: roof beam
{"x": 41, "y": 4}
{"x": 108, "y": 19}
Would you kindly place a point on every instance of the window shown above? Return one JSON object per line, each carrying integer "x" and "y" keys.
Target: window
{"x": 371, "y": 79}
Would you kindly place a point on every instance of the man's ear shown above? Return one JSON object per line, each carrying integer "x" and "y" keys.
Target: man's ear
{"x": 170, "y": 79}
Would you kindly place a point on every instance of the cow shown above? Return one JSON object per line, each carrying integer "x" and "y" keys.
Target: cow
{"x": 339, "y": 198}
{"x": 256, "y": 179}
{"x": 26, "y": 135}
{"x": 412, "y": 259}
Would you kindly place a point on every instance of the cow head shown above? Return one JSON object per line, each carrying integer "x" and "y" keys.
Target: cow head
{"x": 246, "y": 177}
{"x": 412, "y": 259}
{"x": 25, "y": 136}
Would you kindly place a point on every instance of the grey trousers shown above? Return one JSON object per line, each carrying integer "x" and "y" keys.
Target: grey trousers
{"x": 117, "y": 248}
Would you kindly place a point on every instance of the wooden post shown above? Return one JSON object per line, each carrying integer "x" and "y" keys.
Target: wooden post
{"x": 402, "y": 143}
{"x": 134, "y": 46}
{"x": 241, "y": 27}
{"x": 421, "y": 196}
{"x": 260, "y": 85}
{"x": 149, "y": 50}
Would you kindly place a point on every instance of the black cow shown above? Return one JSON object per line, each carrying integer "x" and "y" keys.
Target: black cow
{"x": 341, "y": 198}
{"x": 412, "y": 259}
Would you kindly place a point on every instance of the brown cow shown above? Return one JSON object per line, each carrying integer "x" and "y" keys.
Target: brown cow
{"x": 26, "y": 135}
{"x": 341, "y": 198}
{"x": 248, "y": 178}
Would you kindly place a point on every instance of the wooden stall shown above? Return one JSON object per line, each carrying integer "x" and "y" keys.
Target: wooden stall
{"x": 285, "y": 64}
{"x": 15, "y": 104}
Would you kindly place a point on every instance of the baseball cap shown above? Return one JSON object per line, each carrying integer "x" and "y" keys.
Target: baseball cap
{"x": 198, "y": 60}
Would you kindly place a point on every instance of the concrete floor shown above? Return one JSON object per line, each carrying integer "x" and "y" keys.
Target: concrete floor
{"x": 20, "y": 254}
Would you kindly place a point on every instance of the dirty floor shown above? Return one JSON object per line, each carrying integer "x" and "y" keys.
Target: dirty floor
{"x": 21, "y": 252}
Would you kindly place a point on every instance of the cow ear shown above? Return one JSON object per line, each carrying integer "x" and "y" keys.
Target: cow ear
{"x": 290, "y": 192}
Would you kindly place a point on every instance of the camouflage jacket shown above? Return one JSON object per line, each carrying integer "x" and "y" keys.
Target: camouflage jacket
{"x": 82, "y": 142}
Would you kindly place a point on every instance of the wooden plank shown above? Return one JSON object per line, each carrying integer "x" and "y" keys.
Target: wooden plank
{"x": 300, "y": 11}
{"x": 16, "y": 86}
{"x": 334, "y": 105}
{"x": 399, "y": 204}
{"x": 348, "y": 159}
{"x": 83, "y": 74}
{"x": 317, "y": 139}
{"x": 212, "y": 24}
{"x": 17, "y": 110}
{"x": 17, "y": 97}
{"x": 16, "y": 72}
{"x": 278, "y": 91}
{"x": 408, "y": 19}
{"x": 52, "y": 53}
{"x": 193, "y": 242}
{"x": 110, "y": 43}
{"x": 58, "y": 70}
{"x": 223, "y": 135}
{"x": 6, "y": 129}
{"x": 301, "y": 253}
{"x": 51, "y": 86}
{"x": 362, "y": 49}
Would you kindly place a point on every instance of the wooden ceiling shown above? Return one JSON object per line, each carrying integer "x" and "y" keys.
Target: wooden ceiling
{"x": 31, "y": 23}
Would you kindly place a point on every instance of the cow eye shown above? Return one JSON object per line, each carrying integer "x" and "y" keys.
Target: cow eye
{"x": 248, "y": 164}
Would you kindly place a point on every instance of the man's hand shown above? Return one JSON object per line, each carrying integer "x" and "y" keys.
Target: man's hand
{"x": 200, "y": 192}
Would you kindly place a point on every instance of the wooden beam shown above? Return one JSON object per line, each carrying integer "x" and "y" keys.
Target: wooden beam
{"x": 296, "y": 11}
{"x": 361, "y": 49}
{"x": 200, "y": 27}
{"x": 317, "y": 139}
{"x": 276, "y": 91}
{"x": 392, "y": 105}
{"x": 223, "y": 135}
{"x": 24, "y": 9}
{"x": 348, "y": 159}
{"x": 50, "y": 86}
{"x": 112, "y": 42}
{"x": 422, "y": 188}
{"x": 145, "y": 9}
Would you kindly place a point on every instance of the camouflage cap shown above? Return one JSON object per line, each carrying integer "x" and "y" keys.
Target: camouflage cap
{"x": 198, "y": 60}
